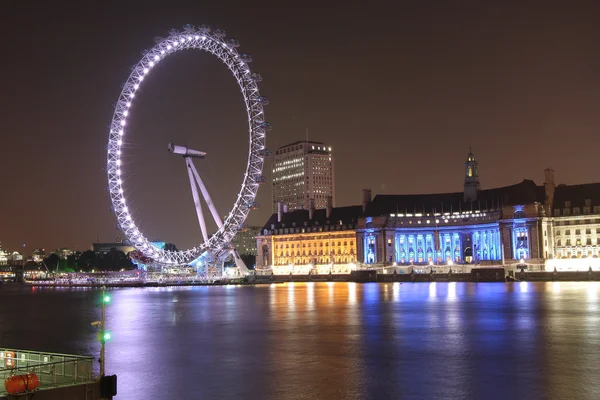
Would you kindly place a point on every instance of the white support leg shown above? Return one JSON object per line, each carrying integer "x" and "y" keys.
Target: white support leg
{"x": 209, "y": 202}
{"x": 240, "y": 263}
{"x": 191, "y": 170}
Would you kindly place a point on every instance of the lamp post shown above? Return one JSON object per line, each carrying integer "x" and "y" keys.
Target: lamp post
{"x": 103, "y": 335}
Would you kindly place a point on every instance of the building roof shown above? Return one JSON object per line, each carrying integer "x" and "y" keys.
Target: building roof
{"x": 526, "y": 192}
{"x": 299, "y": 142}
{"x": 300, "y": 218}
{"x": 577, "y": 194}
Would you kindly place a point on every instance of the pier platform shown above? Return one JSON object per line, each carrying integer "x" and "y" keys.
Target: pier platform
{"x": 61, "y": 376}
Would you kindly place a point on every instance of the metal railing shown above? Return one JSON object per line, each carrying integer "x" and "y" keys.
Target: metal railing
{"x": 52, "y": 369}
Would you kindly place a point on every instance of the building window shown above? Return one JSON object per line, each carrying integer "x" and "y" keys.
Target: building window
{"x": 519, "y": 214}
{"x": 557, "y": 212}
{"x": 521, "y": 243}
{"x": 589, "y": 241}
{"x": 578, "y": 231}
{"x": 588, "y": 231}
{"x": 566, "y": 211}
{"x": 576, "y": 210}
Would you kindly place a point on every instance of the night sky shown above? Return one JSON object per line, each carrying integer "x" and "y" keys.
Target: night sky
{"x": 398, "y": 89}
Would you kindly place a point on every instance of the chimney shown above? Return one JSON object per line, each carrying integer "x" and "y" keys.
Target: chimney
{"x": 366, "y": 199}
{"x": 285, "y": 208}
{"x": 549, "y": 187}
{"x": 279, "y": 210}
{"x": 311, "y": 208}
{"x": 329, "y": 206}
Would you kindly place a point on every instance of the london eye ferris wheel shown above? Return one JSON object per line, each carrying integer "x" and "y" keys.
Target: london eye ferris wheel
{"x": 217, "y": 245}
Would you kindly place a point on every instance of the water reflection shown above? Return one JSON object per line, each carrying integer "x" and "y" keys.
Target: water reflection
{"x": 395, "y": 291}
{"x": 351, "y": 292}
{"x": 452, "y": 291}
{"x": 329, "y": 340}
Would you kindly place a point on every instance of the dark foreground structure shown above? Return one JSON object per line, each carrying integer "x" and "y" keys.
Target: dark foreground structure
{"x": 51, "y": 376}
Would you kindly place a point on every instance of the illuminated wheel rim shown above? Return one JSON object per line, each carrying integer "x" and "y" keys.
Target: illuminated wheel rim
{"x": 226, "y": 50}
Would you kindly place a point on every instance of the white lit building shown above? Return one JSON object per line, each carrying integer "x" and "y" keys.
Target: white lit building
{"x": 4, "y": 256}
{"x": 572, "y": 228}
{"x": 38, "y": 255}
{"x": 15, "y": 258}
{"x": 303, "y": 171}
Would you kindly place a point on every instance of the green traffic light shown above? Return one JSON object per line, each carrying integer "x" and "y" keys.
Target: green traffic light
{"x": 106, "y": 336}
{"x": 107, "y": 299}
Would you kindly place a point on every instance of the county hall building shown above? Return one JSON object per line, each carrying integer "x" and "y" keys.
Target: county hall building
{"x": 541, "y": 226}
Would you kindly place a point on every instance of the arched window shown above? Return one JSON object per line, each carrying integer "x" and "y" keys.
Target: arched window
{"x": 519, "y": 214}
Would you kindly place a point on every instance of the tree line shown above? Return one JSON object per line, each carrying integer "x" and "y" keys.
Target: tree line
{"x": 89, "y": 260}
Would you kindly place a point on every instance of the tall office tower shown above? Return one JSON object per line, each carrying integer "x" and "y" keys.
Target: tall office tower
{"x": 303, "y": 171}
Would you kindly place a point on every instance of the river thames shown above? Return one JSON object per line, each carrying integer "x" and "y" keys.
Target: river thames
{"x": 326, "y": 340}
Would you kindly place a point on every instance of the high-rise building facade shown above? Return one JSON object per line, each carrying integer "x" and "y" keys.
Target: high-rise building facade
{"x": 245, "y": 241}
{"x": 303, "y": 171}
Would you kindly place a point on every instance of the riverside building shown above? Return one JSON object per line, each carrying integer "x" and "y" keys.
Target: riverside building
{"x": 522, "y": 225}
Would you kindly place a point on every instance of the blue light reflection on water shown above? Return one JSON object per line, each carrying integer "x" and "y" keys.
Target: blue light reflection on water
{"x": 329, "y": 340}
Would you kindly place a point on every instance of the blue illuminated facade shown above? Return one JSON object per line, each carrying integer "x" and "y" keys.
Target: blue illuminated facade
{"x": 475, "y": 226}
{"x": 432, "y": 239}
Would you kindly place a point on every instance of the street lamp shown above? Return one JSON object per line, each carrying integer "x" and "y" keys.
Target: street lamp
{"x": 103, "y": 335}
